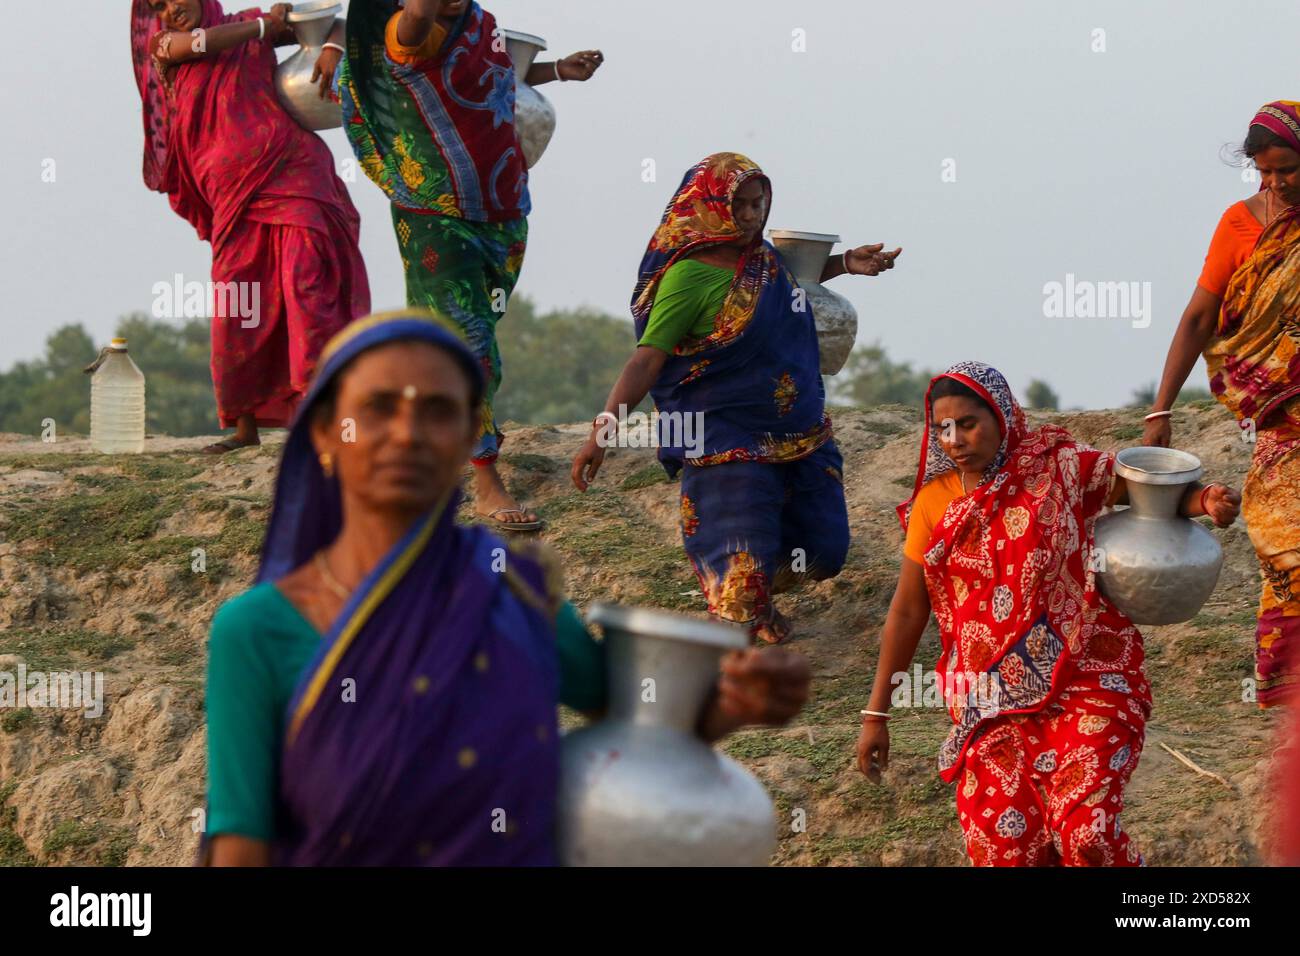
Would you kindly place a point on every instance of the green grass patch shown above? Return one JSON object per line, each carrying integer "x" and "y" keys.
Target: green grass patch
{"x": 112, "y": 844}
{"x": 644, "y": 478}
{"x": 1127, "y": 432}
{"x": 60, "y": 648}
{"x": 17, "y": 720}
{"x": 529, "y": 462}
{"x": 69, "y": 834}
{"x": 601, "y": 530}
{"x": 885, "y": 427}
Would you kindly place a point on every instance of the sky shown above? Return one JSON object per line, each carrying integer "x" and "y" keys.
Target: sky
{"x": 1006, "y": 146}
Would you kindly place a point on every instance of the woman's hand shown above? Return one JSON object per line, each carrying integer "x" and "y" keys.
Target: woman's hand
{"x": 580, "y": 66}
{"x": 873, "y": 748}
{"x": 756, "y": 687}
{"x": 277, "y": 21}
{"x": 587, "y": 462}
{"x": 323, "y": 73}
{"x": 869, "y": 260}
{"x": 1222, "y": 504}
{"x": 1158, "y": 432}
{"x": 763, "y": 687}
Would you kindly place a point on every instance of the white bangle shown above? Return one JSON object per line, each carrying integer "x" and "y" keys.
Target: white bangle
{"x": 332, "y": 46}
{"x": 845, "y": 259}
{"x": 1154, "y": 415}
{"x": 556, "y": 64}
{"x": 261, "y": 28}
{"x": 874, "y": 713}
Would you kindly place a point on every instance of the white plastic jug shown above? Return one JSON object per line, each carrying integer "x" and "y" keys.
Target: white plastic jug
{"x": 116, "y": 402}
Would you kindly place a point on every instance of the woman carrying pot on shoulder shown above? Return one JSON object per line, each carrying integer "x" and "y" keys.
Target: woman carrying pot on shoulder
{"x": 726, "y": 341}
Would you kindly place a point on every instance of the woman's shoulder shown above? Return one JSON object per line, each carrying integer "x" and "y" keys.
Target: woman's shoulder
{"x": 945, "y": 485}
{"x": 1240, "y": 219}
{"x": 251, "y": 617}
{"x": 691, "y": 263}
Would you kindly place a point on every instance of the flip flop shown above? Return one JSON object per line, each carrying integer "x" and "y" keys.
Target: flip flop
{"x": 227, "y": 445}
{"x": 491, "y": 519}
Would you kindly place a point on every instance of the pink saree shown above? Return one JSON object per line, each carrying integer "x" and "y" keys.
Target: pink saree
{"x": 263, "y": 191}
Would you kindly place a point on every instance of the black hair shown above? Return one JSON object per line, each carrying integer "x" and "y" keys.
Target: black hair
{"x": 1258, "y": 139}
{"x": 322, "y": 409}
{"x": 951, "y": 388}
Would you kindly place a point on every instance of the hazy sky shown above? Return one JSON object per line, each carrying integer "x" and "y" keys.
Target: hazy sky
{"x": 1103, "y": 165}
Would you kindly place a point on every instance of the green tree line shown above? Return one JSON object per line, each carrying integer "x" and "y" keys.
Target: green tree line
{"x": 558, "y": 367}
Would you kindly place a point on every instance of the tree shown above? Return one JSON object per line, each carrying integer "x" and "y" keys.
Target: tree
{"x": 1040, "y": 395}
{"x": 870, "y": 378}
{"x": 559, "y": 367}
{"x": 1145, "y": 396}
{"x": 178, "y": 381}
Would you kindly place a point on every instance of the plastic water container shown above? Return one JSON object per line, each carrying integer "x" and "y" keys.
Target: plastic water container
{"x": 117, "y": 403}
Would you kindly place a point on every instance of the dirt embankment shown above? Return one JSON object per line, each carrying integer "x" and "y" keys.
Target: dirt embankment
{"x": 117, "y": 565}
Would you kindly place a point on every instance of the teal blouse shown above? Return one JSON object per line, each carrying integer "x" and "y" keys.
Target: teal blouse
{"x": 259, "y": 646}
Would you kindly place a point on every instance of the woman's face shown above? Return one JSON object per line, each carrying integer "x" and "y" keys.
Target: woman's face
{"x": 1279, "y": 170}
{"x": 402, "y": 429}
{"x": 178, "y": 14}
{"x": 749, "y": 209}
{"x": 968, "y": 432}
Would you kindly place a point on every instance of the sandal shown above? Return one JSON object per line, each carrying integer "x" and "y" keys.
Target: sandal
{"x": 775, "y": 631}
{"x": 491, "y": 519}
{"x": 227, "y": 445}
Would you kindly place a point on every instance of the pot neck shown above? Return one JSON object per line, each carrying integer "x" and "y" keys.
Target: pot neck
{"x": 1155, "y": 501}
{"x": 657, "y": 681}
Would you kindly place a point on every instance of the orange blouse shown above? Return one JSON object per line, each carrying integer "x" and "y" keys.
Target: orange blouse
{"x": 931, "y": 502}
{"x": 1234, "y": 240}
{"x": 412, "y": 54}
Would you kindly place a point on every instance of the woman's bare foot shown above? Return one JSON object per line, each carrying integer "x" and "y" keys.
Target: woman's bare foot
{"x": 496, "y": 505}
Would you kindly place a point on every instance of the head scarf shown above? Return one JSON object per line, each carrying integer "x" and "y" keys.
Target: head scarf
{"x": 307, "y": 513}
{"x": 987, "y": 382}
{"x": 1281, "y": 118}
{"x": 698, "y": 215}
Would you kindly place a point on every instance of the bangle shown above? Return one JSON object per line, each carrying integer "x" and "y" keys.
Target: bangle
{"x": 332, "y": 46}
{"x": 556, "y": 64}
{"x": 1202, "y": 499}
{"x": 845, "y": 259}
{"x": 874, "y": 713}
{"x": 261, "y": 28}
{"x": 1155, "y": 415}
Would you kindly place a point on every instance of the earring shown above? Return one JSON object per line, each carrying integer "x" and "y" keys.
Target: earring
{"x": 327, "y": 464}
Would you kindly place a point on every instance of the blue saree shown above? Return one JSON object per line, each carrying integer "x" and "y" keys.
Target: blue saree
{"x": 755, "y": 380}
{"x": 423, "y": 733}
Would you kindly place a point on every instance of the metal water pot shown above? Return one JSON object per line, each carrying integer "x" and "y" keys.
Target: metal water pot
{"x": 534, "y": 114}
{"x": 639, "y": 788}
{"x": 1155, "y": 566}
{"x": 805, "y": 255}
{"x": 311, "y": 23}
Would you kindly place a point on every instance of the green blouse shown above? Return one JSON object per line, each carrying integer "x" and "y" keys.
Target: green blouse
{"x": 689, "y": 298}
{"x": 259, "y": 646}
